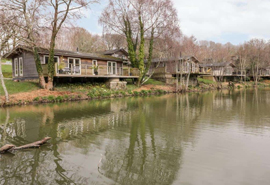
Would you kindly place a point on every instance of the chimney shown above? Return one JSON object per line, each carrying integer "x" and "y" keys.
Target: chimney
{"x": 77, "y": 49}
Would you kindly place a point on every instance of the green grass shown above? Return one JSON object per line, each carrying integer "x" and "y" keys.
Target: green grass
{"x": 17, "y": 87}
{"x": 7, "y": 71}
{"x": 154, "y": 82}
{"x": 205, "y": 81}
{"x": 79, "y": 87}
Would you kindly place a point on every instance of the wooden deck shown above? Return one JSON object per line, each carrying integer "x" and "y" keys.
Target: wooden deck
{"x": 93, "y": 76}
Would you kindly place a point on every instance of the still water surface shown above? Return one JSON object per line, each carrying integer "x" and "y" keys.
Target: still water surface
{"x": 210, "y": 138}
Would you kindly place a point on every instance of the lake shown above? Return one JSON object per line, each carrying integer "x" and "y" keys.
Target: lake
{"x": 192, "y": 139}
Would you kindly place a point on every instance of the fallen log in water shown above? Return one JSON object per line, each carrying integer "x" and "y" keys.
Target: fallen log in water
{"x": 36, "y": 144}
{"x": 6, "y": 148}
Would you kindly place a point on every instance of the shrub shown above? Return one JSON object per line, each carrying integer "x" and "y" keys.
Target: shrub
{"x": 144, "y": 92}
{"x": 158, "y": 91}
{"x": 91, "y": 94}
{"x": 51, "y": 98}
{"x": 79, "y": 96}
{"x": 123, "y": 93}
{"x": 36, "y": 99}
{"x": 44, "y": 98}
{"x": 66, "y": 97}
{"x": 59, "y": 99}
{"x": 130, "y": 92}
{"x": 116, "y": 93}
{"x": 136, "y": 93}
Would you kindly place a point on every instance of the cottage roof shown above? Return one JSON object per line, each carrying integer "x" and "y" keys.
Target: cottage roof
{"x": 175, "y": 59}
{"x": 218, "y": 64}
{"x": 58, "y": 52}
{"x": 111, "y": 52}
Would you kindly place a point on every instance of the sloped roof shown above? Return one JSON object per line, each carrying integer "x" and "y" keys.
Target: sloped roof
{"x": 58, "y": 52}
{"x": 111, "y": 52}
{"x": 218, "y": 64}
{"x": 175, "y": 59}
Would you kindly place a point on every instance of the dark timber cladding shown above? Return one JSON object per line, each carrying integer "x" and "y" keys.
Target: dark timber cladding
{"x": 108, "y": 64}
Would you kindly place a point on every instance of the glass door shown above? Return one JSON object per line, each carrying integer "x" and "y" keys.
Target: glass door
{"x": 112, "y": 68}
{"x": 74, "y": 65}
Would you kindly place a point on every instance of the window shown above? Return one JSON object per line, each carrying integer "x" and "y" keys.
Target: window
{"x": 21, "y": 66}
{"x": 94, "y": 66}
{"x": 46, "y": 59}
{"x": 16, "y": 67}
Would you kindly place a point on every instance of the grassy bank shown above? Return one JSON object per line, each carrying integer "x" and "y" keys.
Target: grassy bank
{"x": 7, "y": 71}
{"x": 29, "y": 92}
{"x": 19, "y": 87}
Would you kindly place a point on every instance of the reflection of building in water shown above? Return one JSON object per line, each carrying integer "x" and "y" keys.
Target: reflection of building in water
{"x": 140, "y": 140}
{"x": 80, "y": 126}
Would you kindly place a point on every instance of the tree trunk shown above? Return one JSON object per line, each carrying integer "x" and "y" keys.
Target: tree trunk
{"x": 51, "y": 63}
{"x": 39, "y": 69}
{"x": 3, "y": 82}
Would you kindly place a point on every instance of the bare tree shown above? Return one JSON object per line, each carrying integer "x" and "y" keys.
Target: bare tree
{"x": 45, "y": 17}
{"x": 62, "y": 10}
{"x": 114, "y": 41}
{"x": 258, "y": 49}
{"x": 140, "y": 21}
{"x": 7, "y": 31}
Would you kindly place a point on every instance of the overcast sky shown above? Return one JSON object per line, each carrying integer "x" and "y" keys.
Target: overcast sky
{"x": 222, "y": 21}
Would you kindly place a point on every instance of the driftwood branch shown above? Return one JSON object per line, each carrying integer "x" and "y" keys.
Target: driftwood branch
{"x": 6, "y": 148}
{"x": 36, "y": 144}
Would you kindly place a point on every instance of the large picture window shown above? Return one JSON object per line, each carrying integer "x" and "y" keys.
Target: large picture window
{"x": 16, "y": 67}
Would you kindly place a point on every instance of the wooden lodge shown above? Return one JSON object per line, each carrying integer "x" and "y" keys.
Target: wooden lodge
{"x": 166, "y": 69}
{"x": 112, "y": 64}
{"x": 218, "y": 69}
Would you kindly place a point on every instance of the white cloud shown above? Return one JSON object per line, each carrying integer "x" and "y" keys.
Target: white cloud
{"x": 212, "y": 19}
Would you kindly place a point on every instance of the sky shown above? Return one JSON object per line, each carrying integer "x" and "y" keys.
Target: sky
{"x": 234, "y": 21}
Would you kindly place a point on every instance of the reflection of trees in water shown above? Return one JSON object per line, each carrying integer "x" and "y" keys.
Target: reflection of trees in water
{"x": 150, "y": 155}
{"x": 12, "y": 131}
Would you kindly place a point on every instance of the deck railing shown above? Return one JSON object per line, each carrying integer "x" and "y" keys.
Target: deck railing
{"x": 88, "y": 70}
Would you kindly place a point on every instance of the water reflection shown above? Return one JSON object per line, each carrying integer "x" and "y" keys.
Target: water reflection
{"x": 124, "y": 141}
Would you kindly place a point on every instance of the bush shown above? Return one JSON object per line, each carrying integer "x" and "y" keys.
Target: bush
{"x": 66, "y": 97}
{"x": 91, "y": 94}
{"x": 51, "y": 98}
{"x": 59, "y": 98}
{"x": 123, "y": 93}
{"x": 136, "y": 93}
{"x": 116, "y": 93}
{"x": 158, "y": 91}
{"x": 130, "y": 92}
{"x": 144, "y": 92}
{"x": 36, "y": 99}
{"x": 44, "y": 98}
